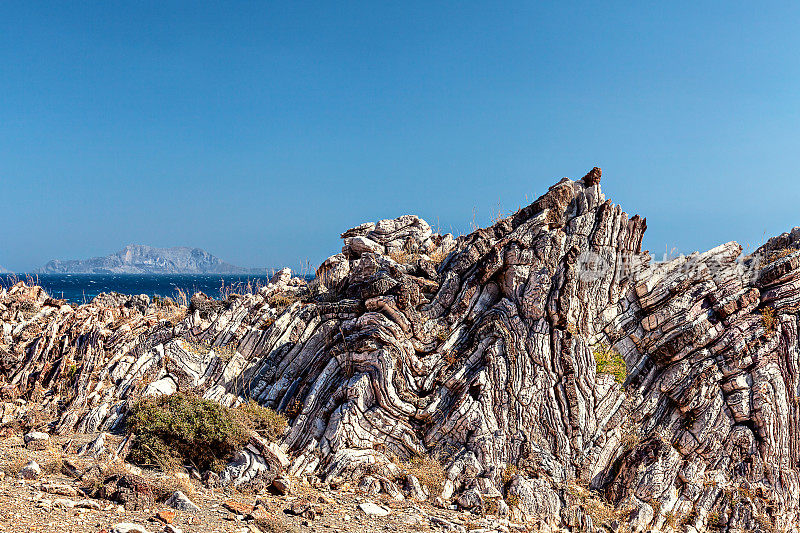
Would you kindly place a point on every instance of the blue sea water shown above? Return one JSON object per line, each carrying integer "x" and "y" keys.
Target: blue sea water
{"x": 81, "y": 288}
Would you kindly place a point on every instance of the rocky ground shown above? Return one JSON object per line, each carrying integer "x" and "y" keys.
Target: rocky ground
{"x": 57, "y": 500}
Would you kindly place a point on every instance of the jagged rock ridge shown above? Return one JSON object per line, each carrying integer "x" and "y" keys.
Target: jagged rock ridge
{"x": 141, "y": 259}
{"x": 481, "y": 351}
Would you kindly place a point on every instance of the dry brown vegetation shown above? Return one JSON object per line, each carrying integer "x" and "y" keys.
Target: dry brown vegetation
{"x": 427, "y": 470}
{"x": 282, "y": 300}
{"x": 775, "y": 255}
{"x": 768, "y": 319}
{"x": 264, "y": 421}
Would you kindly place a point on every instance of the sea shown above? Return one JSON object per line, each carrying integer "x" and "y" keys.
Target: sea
{"x": 82, "y": 288}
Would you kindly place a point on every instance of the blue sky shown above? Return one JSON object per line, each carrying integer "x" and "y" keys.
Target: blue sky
{"x": 259, "y": 131}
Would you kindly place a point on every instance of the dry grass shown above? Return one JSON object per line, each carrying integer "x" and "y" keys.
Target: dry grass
{"x": 12, "y": 461}
{"x": 437, "y": 256}
{"x": 281, "y": 301}
{"x": 403, "y": 257}
{"x": 775, "y": 255}
{"x": 768, "y": 319}
{"x": 508, "y": 474}
{"x": 600, "y": 511}
{"x": 164, "y": 486}
{"x": 262, "y": 420}
{"x": 225, "y": 353}
{"x": 53, "y": 461}
{"x": 181, "y": 298}
{"x": 251, "y": 286}
{"x": 427, "y": 470}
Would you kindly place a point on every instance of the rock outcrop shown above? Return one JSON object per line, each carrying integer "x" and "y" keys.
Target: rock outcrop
{"x": 141, "y": 259}
{"x": 490, "y": 352}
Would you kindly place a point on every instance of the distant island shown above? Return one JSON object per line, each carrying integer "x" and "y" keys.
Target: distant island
{"x": 142, "y": 259}
{"x": 4, "y": 271}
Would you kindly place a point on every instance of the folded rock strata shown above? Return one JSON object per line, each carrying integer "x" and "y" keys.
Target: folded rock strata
{"x": 483, "y": 352}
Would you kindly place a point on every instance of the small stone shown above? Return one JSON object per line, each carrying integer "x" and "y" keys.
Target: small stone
{"x": 327, "y": 500}
{"x": 237, "y": 507}
{"x": 30, "y": 471}
{"x": 62, "y": 490}
{"x": 44, "y": 504}
{"x": 36, "y": 440}
{"x": 169, "y": 528}
{"x": 282, "y": 485}
{"x": 125, "y": 527}
{"x": 304, "y": 509}
{"x": 88, "y": 504}
{"x": 166, "y": 515}
{"x": 181, "y": 502}
{"x": 260, "y": 513}
{"x": 372, "y": 509}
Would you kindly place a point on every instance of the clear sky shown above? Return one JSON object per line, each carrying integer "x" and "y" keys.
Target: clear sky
{"x": 260, "y": 130}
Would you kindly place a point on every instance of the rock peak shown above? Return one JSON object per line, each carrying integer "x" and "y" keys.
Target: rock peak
{"x": 593, "y": 177}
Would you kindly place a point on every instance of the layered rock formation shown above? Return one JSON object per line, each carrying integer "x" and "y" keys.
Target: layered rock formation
{"x": 141, "y": 259}
{"x": 487, "y": 352}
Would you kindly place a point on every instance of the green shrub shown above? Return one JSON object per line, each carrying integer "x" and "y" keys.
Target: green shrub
{"x": 184, "y": 429}
{"x": 609, "y": 361}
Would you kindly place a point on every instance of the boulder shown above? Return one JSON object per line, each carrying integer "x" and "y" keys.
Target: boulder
{"x": 31, "y": 470}
{"x": 181, "y": 502}
{"x": 36, "y": 440}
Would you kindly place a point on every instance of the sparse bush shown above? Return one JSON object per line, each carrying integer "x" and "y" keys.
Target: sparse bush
{"x": 609, "y": 361}
{"x": 508, "y": 474}
{"x": 266, "y": 322}
{"x": 428, "y": 471}
{"x": 512, "y": 500}
{"x": 437, "y": 256}
{"x": 184, "y": 429}
{"x": 28, "y": 308}
{"x": 262, "y": 420}
{"x": 775, "y": 255}
{"x": 281, "y": 300}
{"x": 205, "y": 305}
{"x": 768, "y": 319}
{"x": 225, "y": 353}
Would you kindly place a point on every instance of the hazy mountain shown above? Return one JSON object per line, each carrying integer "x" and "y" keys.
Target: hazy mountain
{"x": 4, "y": 271}
{"x": 141, "y": 259}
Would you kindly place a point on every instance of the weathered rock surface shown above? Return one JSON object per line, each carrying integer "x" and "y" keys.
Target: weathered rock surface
{"x": 483, "y": 352}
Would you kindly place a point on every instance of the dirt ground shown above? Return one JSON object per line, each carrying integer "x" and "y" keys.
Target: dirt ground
{"x": 60, "y": 501}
